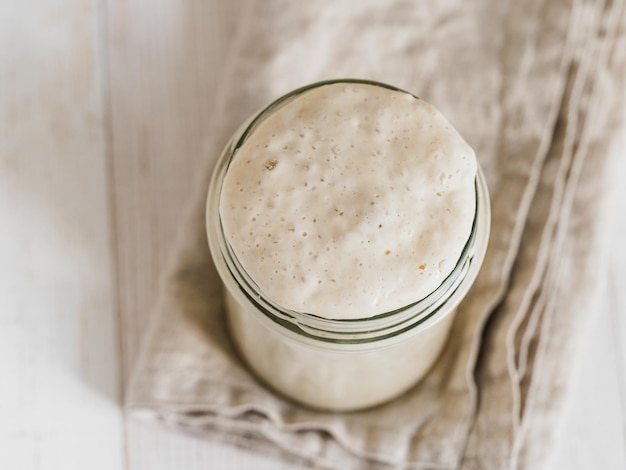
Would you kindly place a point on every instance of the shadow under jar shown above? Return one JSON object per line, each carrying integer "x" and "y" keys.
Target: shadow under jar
{"x": 327, "y": 361}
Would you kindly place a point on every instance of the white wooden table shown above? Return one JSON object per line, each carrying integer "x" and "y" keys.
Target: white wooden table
{"x": 102, "y": 109}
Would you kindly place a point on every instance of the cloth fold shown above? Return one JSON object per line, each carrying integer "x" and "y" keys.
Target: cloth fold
{"x": 536, "y": 89}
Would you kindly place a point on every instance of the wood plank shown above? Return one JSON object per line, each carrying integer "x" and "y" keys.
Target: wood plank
{"x": 617, "y": 291}
{"x": 165, "y": 59}
{"x": 593, "y": 434}
{"x": 59, "y": 393}
{"x": 165, "y": 63}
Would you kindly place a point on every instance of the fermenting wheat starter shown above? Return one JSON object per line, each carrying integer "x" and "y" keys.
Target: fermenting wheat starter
{"x": 347, "y": 220}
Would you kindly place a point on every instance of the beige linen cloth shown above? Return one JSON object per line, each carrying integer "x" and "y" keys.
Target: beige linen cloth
{"x": 535, "y": 87}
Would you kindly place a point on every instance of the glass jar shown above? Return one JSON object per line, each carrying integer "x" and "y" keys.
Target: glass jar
{"x": 329, "y": 364}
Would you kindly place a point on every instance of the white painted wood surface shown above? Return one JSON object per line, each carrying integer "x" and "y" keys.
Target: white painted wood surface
{"x": 59, "y": 356}
{"x": 103, "y": 106}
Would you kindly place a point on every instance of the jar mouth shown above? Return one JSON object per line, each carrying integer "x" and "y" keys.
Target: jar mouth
{"x": 353, "y": 331}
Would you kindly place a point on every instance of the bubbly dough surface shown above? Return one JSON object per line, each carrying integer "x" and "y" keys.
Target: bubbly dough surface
{"x": 350, "y": 201}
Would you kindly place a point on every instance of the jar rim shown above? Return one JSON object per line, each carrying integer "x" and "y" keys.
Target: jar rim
{"x": 356, "y": 330}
